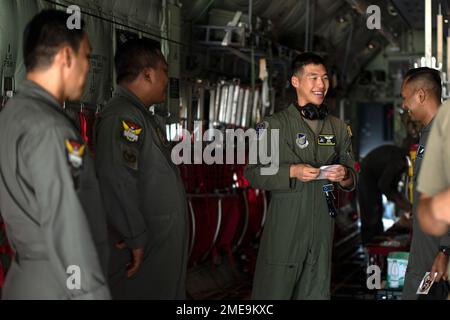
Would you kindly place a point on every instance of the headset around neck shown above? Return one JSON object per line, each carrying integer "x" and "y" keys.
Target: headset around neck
{"x": 312, "y": 112}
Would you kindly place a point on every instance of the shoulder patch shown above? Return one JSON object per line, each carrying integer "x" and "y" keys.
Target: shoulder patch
{"x": 349, "y": 131}
{"x": 131, "y": 131}
{"x": 75, "y": 153}
{"x": 130, "y": 156}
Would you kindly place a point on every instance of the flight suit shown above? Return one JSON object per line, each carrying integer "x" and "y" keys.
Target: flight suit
{"x": 294, "y": 259}
{"x": 145, "y": 199}
{"x": 424, "y": 247}
{"x": 50, "y": 202}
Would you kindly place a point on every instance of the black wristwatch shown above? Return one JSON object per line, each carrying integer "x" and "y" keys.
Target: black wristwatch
{"x": 445, "y": 250}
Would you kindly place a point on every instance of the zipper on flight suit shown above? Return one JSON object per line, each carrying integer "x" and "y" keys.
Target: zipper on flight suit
{"x": 316, "y": 146}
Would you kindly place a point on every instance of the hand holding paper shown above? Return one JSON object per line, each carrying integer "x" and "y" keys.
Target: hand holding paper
{"x": 333, "y": 173}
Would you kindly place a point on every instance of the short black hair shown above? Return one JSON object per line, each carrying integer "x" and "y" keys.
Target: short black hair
{"x": 304, "y": 59}
{"x": 430, "y": 76}
{"x": 135, "y": 55}
{"x": 47, "y": 33}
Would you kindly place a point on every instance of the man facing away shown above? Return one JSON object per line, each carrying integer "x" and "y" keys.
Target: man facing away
{"x": 49, "y": 196}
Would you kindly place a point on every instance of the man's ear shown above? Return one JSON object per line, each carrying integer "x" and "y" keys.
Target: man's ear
{"x": 148, "y": 74}
{"x": 421, "y": 95}
{"x": 295, "y": 82}
{"x": 63, "y": 57}
{"x": 67, "y": 56}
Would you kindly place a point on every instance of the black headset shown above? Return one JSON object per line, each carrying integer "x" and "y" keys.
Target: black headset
{"x": 313, "y": 112}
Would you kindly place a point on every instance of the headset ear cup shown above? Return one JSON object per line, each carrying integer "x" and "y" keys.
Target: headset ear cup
{"x": 316, "y": 112}
{"x": 323, "y": 111}
{"x": 312, "y": 112}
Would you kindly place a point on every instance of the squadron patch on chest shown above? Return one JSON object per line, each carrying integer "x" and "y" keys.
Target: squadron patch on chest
{"x": 75, "y": 153}
{"x": 326, "y": 140}
{"x": 131, "y": 131}
{"x": 420, "y": 152}
{"x": 302, "y": 141}
{"x": 260, "y": 127}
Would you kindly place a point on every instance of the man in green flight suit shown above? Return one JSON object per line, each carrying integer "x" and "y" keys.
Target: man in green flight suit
{"x": 50, "y": 197}
{"x": 141, "y": 187}
{"x": 294, "y": 258}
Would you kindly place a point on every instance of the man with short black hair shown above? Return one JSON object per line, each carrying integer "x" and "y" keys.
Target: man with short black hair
{"x": 421, "y": 92}
{"x": 141, "y": 187}
{"x": 294, "y": 259}
{"x": 50, "y": 200}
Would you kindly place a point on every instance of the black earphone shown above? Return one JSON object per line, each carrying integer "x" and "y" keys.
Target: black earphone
{"x": 313, "y": 112}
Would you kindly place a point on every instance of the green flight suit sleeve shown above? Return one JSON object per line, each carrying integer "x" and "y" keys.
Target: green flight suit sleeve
{"x": 117, "y": 163}
{"x": 280, "y": 180}
{"x": 346, "y": 156}
{"x": 63, "y": 222}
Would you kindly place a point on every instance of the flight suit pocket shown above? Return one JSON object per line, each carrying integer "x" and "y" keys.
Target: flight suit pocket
{"x": 280, "y": 279}
{"x": 289, "y": 266}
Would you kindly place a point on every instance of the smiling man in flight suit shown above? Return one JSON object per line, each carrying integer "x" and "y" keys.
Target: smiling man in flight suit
{"x": 49, "y": 196}
{"x": 141, "y": 187}
{"x": 294, "y": 258}
{"x": 421, "y": 92}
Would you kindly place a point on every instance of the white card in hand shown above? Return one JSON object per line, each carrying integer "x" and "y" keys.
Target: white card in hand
{"x": 426, "y": 283}
{"x": 324, "y": 170}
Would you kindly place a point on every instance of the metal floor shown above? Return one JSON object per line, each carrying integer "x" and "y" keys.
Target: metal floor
{"x": 225, "y": 281}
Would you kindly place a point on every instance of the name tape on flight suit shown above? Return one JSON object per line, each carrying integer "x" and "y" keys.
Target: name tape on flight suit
{"x": 327, "y": 140}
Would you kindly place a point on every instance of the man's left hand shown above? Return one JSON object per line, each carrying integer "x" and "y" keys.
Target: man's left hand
{"x": 337, "y": 175}
{"x": 440, "y": 267}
